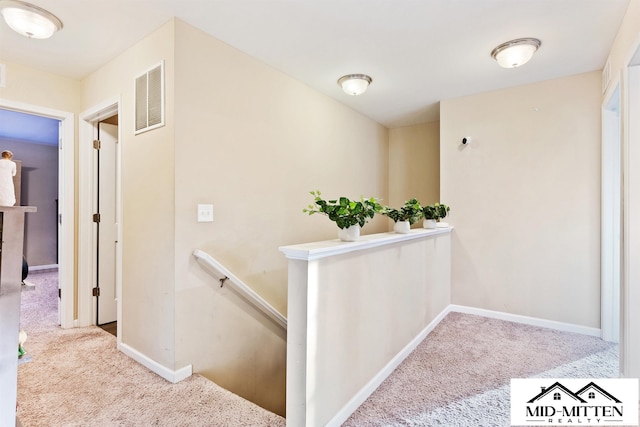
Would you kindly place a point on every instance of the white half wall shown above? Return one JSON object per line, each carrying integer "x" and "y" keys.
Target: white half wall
{"x": 356, "y": 310}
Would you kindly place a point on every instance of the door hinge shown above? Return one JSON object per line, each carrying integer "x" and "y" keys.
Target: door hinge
{"x": 96, "y": 144}
{"x": 60, "y": 293}
{"x": 96, "y": 217}
{"x": 96, "y": 292}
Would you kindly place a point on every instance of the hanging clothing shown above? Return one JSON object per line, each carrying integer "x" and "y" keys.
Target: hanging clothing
{"x": 7, "y": 191}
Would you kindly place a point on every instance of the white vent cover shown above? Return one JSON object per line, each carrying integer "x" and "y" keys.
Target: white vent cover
{"x": 150, "y": 99}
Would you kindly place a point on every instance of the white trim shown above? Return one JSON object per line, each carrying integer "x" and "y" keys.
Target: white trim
{"x": 163, "y": 371}
{"x": 33, "y": 268}
{"x": 66, "y": 207}
{"x": 343, "y": 414}
{"x": 611, "y": 215}
{"x": 85, "y": 260}
{"x": 328, "y": 248}
{"x": 630, "y": 331}
{"x": 86, "y": 276}
{"x": 630, "y": 341}
{"x": 532, "y": 321}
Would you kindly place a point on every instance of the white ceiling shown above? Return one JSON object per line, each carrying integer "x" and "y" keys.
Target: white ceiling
{"x": 417, "y": 51}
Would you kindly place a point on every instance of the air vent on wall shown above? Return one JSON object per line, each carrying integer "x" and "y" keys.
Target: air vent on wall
{"x": 150, "y": 99}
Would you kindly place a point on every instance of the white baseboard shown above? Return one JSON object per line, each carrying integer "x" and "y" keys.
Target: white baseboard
{"x": 375, "y": 382}
{"x": 163, "y": 371}
{"x": 353, "y": 404}
{"x": 34, "y": 268}
{"x": 533, "y": 321}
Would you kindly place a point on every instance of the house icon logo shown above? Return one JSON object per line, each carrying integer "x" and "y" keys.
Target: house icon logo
{"x": 586, "y": 394}
{"x": 610, "y": 401}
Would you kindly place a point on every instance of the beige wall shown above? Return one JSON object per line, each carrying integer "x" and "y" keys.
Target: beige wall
{"x": 525, "y": 199}
{"x": 39, "y": 189}
{"x": 414, "y": 164}
{"x": 253, "y": 142}
{"x": 147, "y": 197}
{"x": 35, "y": 87}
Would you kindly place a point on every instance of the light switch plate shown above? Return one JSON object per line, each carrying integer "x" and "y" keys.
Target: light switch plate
{"x": 205, "y": 213}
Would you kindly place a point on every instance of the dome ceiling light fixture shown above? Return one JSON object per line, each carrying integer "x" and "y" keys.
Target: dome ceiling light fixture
{"x": 354, "y": 84}
{"x": 29, "y": 20}
{"x": 515, "y": 53}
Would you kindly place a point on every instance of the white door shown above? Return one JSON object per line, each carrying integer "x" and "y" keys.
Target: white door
{"x": 106, "y": 226}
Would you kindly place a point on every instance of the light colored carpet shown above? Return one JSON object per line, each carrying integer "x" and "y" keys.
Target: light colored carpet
{"x": 452, "y": 376}
{"x": 456, "y": 376}
{"x": 472, "y": 411}
{"x": 78, "y": 378}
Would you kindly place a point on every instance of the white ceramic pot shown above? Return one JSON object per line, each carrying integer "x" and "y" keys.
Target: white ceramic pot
{"x": 429, "y": 223}
{"x": 402, "y": 227}
{"x": 350, "y": 234}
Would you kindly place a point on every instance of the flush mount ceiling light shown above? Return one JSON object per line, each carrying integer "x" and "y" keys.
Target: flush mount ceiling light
{"x": 29, "y": 20}
{"x": 516, "y": 52}
{"x": 354, "y": 84}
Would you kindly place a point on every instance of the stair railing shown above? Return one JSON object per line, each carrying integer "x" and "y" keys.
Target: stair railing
{"x": 224, "y": 276}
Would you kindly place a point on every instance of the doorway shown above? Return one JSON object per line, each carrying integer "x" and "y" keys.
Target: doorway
{"x": 99, "y": 198}
{"x": 33, "y": 140}
{"x": 65, "y": 217}
{"x": 106, "y": 223}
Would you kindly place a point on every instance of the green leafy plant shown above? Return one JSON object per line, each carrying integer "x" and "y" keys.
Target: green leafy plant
{"x": 442, "y": 210}
{"x": 429, "y": 212}
{"x": 411, "y": 211}
{"x": 436, "y": 211}
{"x": 344, "y": 212}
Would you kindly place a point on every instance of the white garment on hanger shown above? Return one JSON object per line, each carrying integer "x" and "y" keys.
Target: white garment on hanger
{"x": 7, "y": 191}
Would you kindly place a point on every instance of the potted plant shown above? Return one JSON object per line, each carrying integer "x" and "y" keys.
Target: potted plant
{"x": 433, "y": 214}
{"x": 430, "y": 216}
{"x": 408, "y": 214}
{"x": 442, "y": 211}
{"x": 349, "y": 215}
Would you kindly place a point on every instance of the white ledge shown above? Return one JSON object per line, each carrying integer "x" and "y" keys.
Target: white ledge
{"x": 327, "y": 248}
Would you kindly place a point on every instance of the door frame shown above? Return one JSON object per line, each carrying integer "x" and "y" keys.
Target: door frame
{"x": 630, "y": 342}
{"x": 88, "y": 130}
{"x": 106, "y": 243}
{"x": 611, "y": 213}
{"x": 66, "y": 203}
